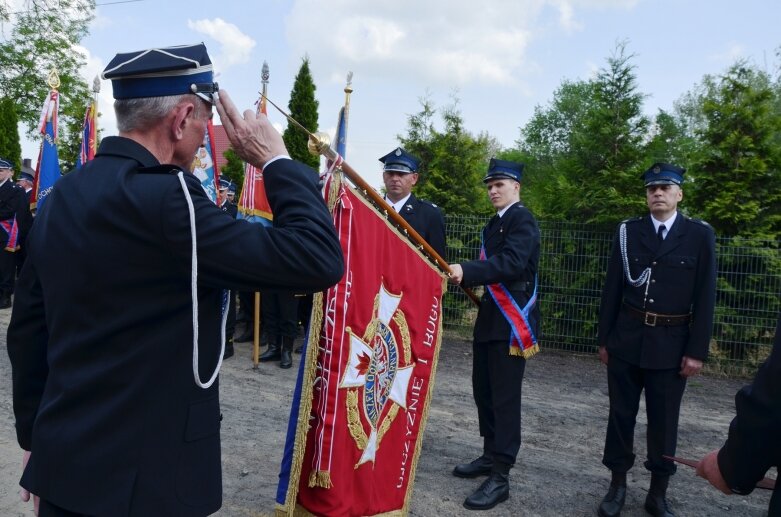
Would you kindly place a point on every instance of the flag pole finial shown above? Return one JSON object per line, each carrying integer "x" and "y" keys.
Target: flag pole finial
{"x": 53, "y": 80}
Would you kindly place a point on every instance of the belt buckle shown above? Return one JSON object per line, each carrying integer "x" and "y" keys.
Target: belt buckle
{"x": 650, "y": 323}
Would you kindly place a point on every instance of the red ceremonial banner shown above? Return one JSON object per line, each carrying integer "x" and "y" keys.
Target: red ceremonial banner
{"x": 372, "y": 373}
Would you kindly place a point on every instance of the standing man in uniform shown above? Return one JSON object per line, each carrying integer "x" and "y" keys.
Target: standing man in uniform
{"x": 115, "y": 339}
{"x": 400, "y": 174}
{"x": 655, "y": 322}
{"x": 753, "y": 444}
{"x": 15, "y": 222}
{"x": 230, "y": 324}
{"x": 506, "y": 330}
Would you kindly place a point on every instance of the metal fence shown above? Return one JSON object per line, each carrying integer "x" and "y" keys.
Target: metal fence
{"x": 573, "y": 261}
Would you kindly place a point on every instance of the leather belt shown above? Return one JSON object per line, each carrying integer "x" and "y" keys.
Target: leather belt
{"x": 653, "y": 319}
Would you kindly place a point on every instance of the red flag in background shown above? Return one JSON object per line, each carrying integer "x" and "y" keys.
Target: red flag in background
{"x": 368, "y": 374}
{"x": 253, "y": 203}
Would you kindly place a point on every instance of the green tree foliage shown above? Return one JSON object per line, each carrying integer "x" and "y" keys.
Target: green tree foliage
{"x": 303, "y": 108}
{"x": 587, "y": 147}
{"x": 10, "y": 147}
{"x": 453, "y": 161}
{"x": 234, "y": 168}
{"x": 737, "y": 169}
{"x": 43, "y": 37}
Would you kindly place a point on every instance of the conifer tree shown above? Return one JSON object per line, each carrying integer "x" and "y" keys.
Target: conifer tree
{"x": 10, "y": 147}
{"x": 303, "y": 108}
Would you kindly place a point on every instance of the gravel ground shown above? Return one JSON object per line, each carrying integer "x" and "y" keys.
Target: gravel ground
{"x": 558, "y": 473}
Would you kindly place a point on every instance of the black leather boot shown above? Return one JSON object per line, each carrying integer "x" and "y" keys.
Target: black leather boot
{"x": 616, "y": 495}
{"x": 656, "y": 500}
{"x": 273, "y": 353}
{"x": 494, "y": 490}
{"x": 479, "y": 467}
{"x": 286, "y": 360}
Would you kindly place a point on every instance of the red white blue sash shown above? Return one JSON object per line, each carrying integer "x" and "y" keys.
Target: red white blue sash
{"x": 12, "y": 229}
{"x": 523, "y": 342}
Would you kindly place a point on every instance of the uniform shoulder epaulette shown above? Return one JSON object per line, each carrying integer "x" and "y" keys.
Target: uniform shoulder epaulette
{"x": 631, "y": 220}
{"x": 698, "y": 221}
{"x": 429, "y": 203}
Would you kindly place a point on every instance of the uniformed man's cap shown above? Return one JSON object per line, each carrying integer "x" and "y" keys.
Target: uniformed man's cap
{"x": 27, "y": 167}
{"x": 26, "y": 176}
{"x": 6, "y": 164}
{"x": 503, "y": 169}
{"x": 224, "y": 184}
{"x": 160, "y": 72}
{"x": 232, "y": 188}
{"x": 401, "y": 161}
{"x": 663, "y": 174}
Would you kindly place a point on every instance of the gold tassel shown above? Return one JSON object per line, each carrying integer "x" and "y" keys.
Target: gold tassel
{"x": 529, "y": 352}
{"x": 320, "y": 478}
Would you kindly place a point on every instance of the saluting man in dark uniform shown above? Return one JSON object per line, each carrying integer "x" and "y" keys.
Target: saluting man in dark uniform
{"x": 15, "y": 222}
{"x": 655, "y": 323}
{"x": 115, "y": 338}
{"x": 400, "y": 174}
{"x": 506, "y": 330}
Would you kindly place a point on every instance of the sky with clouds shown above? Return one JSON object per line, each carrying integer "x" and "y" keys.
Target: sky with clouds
{"x": 500, "y": 59}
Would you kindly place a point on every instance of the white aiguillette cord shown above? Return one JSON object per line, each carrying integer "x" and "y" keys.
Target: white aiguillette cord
{"x": 194, "y": 290}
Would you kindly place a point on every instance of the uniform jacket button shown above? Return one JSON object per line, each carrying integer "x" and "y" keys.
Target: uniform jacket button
{"x": 651, "y": 300}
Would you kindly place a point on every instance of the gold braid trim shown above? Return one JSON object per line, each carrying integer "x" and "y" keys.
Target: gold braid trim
{"x": 401, "y": 321}
{"x": 354, "y": 420}
{"x": 300, "y": 511}
{"x": 333, "y": 191}
{"x": 305, "y": 405}
{"x": 424, "y": 419}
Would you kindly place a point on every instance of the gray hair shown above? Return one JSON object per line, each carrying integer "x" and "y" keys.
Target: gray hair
{"x": 140, "y": 114}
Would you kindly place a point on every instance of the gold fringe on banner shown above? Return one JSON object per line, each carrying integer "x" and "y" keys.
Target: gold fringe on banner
{"x": 529, "y": 352}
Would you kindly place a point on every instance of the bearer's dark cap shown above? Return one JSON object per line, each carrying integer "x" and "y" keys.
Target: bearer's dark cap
{"x": 6, "y": 164}
{"x": 224, "y": 184}
{"x": 232, "y": 188}
{"x": 160, "y": 72}
{"x": 26, "y": 176}
{"x": 663, "y": 174}
{"x": 401, "y": 161}
{"x": 503, "y": 169}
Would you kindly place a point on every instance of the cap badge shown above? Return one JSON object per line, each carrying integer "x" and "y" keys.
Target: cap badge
{"x": 657, "y": 169}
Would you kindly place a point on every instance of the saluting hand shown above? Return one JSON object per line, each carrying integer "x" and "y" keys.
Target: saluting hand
{"x": 252, "y": 136}
{"x": 690, "y": 366}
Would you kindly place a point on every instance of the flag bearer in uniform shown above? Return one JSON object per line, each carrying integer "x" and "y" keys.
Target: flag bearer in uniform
{"x": 506, "y": 330}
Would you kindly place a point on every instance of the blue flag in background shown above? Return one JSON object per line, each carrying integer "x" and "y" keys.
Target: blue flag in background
{"x": 48, "y": 168}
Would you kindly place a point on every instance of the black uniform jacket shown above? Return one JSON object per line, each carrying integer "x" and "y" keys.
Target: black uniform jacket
{"x": 754, "y": 443}
{"x": 230, "y": 209}
{"x": 426, "y": 218}
{"x": 683, "y": 281}
{"x": 512, "y": 245}
{"x": 101, "y": 334}
{"x": 13, "y": 202}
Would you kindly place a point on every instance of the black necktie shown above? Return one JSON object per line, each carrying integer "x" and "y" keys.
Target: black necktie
{"x": 660, "y": 233}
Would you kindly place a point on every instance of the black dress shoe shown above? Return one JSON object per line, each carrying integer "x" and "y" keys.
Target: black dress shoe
{"x": 613, "y": 502}
{"x": 656, "y": 505}
{"x": 494, "y": 490}
{"x": 479, "y": 467}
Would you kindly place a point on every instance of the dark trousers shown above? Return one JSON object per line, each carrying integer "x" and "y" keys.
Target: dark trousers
{"x": 663, "y": 394}
{"x": 497, "y": 378}
{"x": 279, "y": 314}
{"x": 7, "y": 272}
